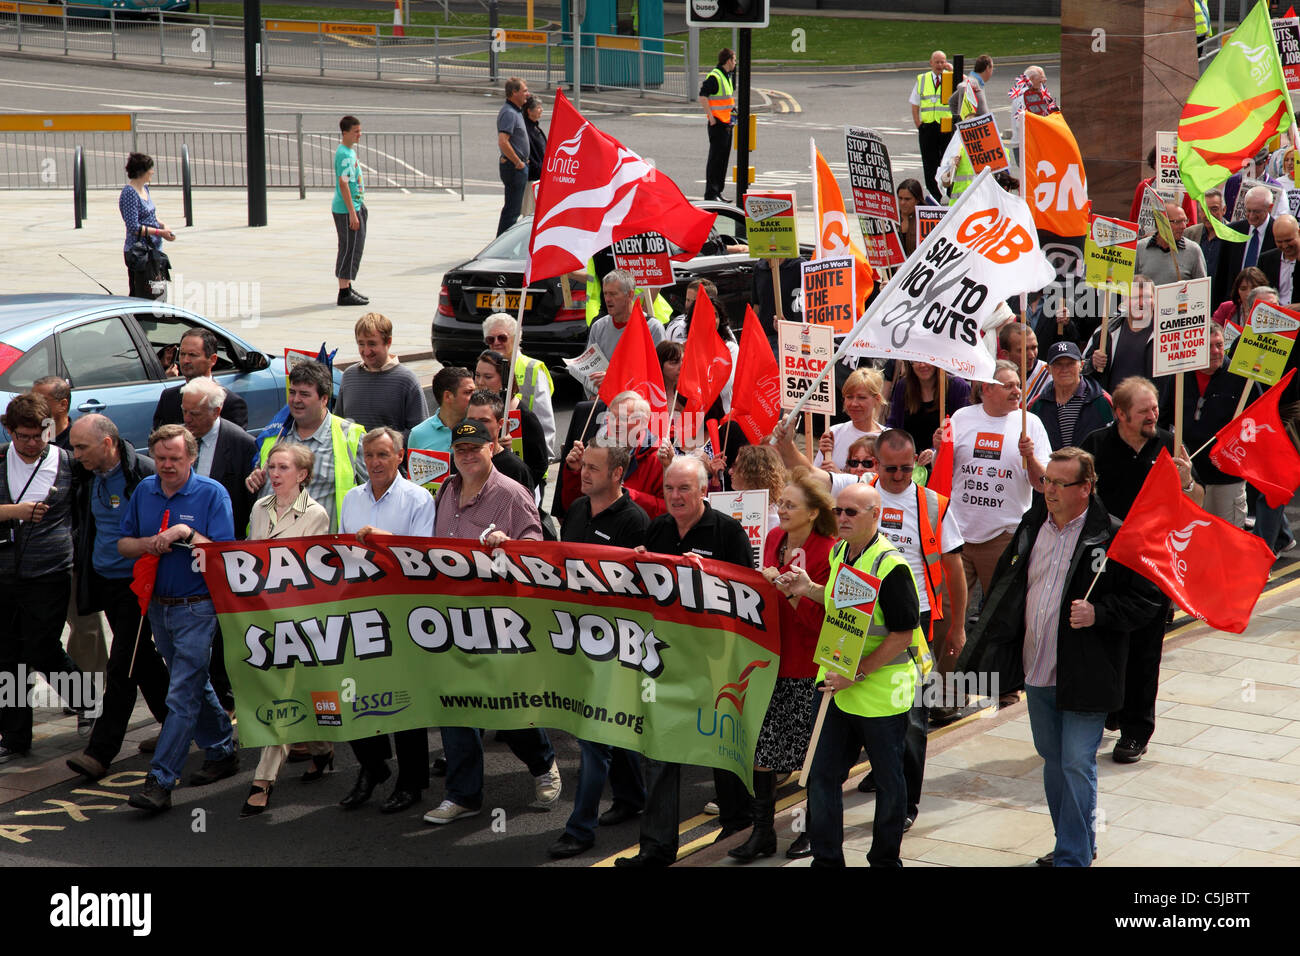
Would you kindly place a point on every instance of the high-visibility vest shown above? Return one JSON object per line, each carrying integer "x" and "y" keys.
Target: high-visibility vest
{"x": 526, "y": 379}
{"x": 344, "y": 449}
{"x": 964, "y": 174}
{"x": 929, "y": 501}
{"x": 722, "y": 102}
{"x": 890, "y": 689}
{"x": 933, "y": 108}
{"x": 1203, "y": 27}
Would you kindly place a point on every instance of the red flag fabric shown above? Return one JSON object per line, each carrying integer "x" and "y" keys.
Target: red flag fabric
{"x": 941, "y": 468}
{"x": 756, "y": 394}
{"x": 595, "y": 190}
{"x": 706, "y": 362}
{"x": 1255, "y": 446}
{"x": 1290, "y": 12}
{"x": 635, "y": 366}
{"x": 144, "y": 574}
{"x": 1214, "y": 571}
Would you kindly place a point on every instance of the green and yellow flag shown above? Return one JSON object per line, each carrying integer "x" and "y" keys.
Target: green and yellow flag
{"x": 1238, "y": 104}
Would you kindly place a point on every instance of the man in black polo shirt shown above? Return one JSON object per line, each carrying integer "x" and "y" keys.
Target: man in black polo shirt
{"x": 1124, "y": 452}
{"x": 603, "y": 515}
{"x": 689, "y": 527}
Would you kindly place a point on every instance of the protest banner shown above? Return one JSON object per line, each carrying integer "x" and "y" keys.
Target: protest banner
{"x": 1168, "y": 184}
{"x": 883, "y": 247}
{"x": 428, "y": 469}
{"x": 1266, "y": 343}
{"x": 647, "y": 257}
{"x": 1286, "y": 34}
{"x": 1182, "y": 332}
{"x": 750, "y": 508}
{"x": 770, "y": 226}
{"x": 1239, "y": 207}
{"x": 805, "y": 350}
{"x": 927, "y": 217}
{"x": 587, "y": 364}
{"x": 983, "y": 143}
{"x": 870, "y": 176}
{"x": 829, "y": 294}
{"x": 327, "y": 639}
{"x": 1110, "y": 253}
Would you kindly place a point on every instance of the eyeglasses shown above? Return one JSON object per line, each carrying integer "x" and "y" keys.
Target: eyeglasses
{"x": 489, "y": 339}
{"x": 1061, "y": 484}
{"x": 27, "y": 436}
{"x": 860, "y": 462}
{"x": 894, "y": 469}
{"x": 787, "y": 506}
{"x": 852, "y": 512}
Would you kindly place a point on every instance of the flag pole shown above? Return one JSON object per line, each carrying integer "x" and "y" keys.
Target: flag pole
{"x": 943, "y": 395}
{"x": 514, "y": 351}
{"x": 1213, "y": 439}
{"x": 1088, "y": 593}
{"x": 1024, "y": 359}
{"x": 918, "y": 255}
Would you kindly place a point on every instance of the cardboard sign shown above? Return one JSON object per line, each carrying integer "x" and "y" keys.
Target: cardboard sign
{"x": 1151, "y": 203}
{"x": 750, "y": 509}
{"x": 983, "y": 143}
{"x": 927, "y": 217}
{"x": 1266, "y": 344}
{"x": 587, "y": 364}
{"x": 1110, "y": 253}
{"x": 870, "y": 175}
{"x": 855, "y": 589}
{"x": 1182, "y": 332}
{"x": 881, "y": 244}
{"x": 829, "y": 295}
{"x": 428, "y": 469}
{"x": 646, "y": 256}
{"x": 515, "y": 426}
{"x": 1168, "y": 182}
{"x": 804, "y": 351}
{"x": 293, "y": 357}
{"x": 1286, "y": 33}
{"x": 770, "y": 226}
{"x": 1239, "y": 207}
{"x": 839, "y": 650}
{"x": 1293, "y": 202}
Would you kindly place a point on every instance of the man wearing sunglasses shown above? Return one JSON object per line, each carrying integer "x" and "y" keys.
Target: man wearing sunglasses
{"x": 1057, "y": 621}
{"x": 871, "y": 709}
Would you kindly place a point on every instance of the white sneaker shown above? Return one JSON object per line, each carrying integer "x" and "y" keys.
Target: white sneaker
{"x": 548, "y": 788}
{"x": 447, "y": 811}
{"x": 711, "y": 808}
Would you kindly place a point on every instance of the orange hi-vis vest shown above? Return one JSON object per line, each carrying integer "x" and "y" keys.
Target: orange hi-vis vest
{"x": 931, "y": 543}
{"x": 722, "y": 102}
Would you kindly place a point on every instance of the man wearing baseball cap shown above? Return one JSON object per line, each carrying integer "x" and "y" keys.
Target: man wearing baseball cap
{"x": 1072, "y": 406}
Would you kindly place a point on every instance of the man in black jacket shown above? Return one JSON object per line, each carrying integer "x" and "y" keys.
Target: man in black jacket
{"x": 1072, "y": 406}
{"x": 1235, "y": 256}
{"x": 197, "y": 357}
{"x": 1056, "y": 622}
{"x": 106, "y": 475}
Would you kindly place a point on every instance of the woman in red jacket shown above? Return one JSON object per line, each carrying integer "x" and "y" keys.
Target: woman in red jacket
{"x": 802, "y": 539}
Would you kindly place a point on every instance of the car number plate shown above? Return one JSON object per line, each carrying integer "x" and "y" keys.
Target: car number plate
{"x": 502, "y": 301}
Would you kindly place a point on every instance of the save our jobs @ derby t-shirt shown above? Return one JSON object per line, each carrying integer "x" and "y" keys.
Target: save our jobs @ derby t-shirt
{"x": 990, "y": 488}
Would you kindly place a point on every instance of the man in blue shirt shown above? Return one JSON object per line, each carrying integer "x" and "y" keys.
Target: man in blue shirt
{"x": 350, "y": 212}
{"x": 512, "y": 141}
{"x": 169, "y": 514}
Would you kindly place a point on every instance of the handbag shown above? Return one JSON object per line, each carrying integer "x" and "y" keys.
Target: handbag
{"x": 149, "y": 261}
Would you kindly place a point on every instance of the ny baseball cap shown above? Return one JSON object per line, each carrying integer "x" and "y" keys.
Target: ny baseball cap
{"x": 470, "y": 430}
{"x": 1063, "y": 350}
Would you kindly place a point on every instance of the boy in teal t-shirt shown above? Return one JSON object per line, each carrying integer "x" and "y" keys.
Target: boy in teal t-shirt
{"x": 350, "y": 213}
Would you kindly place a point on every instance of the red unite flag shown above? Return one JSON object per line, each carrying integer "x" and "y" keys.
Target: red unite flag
{"x": 706, "y": 362}
{"x": 595, "y": 190}
{"x": 756, "y": 395}
{"x": 144, "y": 573}
{"x": 634, "y": 366}
{"x": 1255, "y": 446}
{"x": 1214, "y": 571}
{"x": 941, "y": 468}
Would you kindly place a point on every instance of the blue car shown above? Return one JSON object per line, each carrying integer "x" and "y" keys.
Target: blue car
{"x": 116, "y": 351}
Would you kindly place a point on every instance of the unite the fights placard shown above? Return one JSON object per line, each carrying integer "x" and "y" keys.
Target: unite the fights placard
{"x": 1182, "y": 332}
{"x": 829, "y": 295}
{"x": 983, "y": 144}
{"x": 804, "y": 351}
{"x": 646, "y": 256}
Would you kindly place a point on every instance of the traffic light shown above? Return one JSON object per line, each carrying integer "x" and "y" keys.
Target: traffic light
{"x": 744, "y": 14}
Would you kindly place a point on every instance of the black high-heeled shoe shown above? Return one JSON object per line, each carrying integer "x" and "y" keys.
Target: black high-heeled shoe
{"x": 319, "y": 763}
{"x": 248, "y": 810}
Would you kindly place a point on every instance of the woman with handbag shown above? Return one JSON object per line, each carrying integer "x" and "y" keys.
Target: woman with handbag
{"x": 143, "y": 230}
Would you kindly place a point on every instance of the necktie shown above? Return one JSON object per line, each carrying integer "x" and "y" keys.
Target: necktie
{"x": 1252, "y": 250}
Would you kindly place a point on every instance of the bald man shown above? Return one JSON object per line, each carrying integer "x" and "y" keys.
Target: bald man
{"x": 1278, "y": 265}
{"x": 929, "y": 107}
{"x": 869, "y": 708}
{"x": 1154, "y": 260}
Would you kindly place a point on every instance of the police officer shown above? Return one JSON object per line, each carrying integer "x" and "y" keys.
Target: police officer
{"x": 718, "y": 97}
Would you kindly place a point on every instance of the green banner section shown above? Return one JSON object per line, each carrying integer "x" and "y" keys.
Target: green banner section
{"x": 328, "y": 640}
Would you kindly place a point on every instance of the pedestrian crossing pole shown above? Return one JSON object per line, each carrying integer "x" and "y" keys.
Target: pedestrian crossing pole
{"x": 742, "y": 116}
{"x": 254, "y": 113}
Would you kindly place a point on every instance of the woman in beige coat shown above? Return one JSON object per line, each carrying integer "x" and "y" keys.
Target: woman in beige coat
{"x": 288, "y": 512}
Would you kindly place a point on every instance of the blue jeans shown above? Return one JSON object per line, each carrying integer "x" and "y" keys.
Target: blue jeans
{"x": 463, "y": 748}
{"x": 843, "y": 735}
{"x": 1270, "y": 523}
{"x": 184, "y": 638}
{"x": 601, "y": 761}
{"x": 1067, "y": 740}
{"x": 515, "y": 181}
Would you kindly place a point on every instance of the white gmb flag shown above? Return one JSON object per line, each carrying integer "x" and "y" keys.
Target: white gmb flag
{"x": 943, "y": 299}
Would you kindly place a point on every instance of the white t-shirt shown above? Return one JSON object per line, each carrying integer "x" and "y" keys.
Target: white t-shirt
{"x": 39, "y": 476}
{"x": 900, "y": 522}
{"x": 845, "y": 434}
{"x": 990, "y": 488}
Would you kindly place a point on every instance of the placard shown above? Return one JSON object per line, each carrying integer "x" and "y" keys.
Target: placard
{"x": 1168, "y": 182}
{"x": 829, "y": 296}
{"x": 750, "y": 509}
{"x": 294, "y": 357}
{"x": 1152, "y": 205}
{"x": 1110, "y": 253}
{"x": 515, "y": 425}
{"x": 1239, "y": 207}
{"x": 839, "y": 649}
{"x": 927, "y": 217}
{"x": 870, "y": 175}
{"x": 1286, "y": 33}
{"x": 1039, "y": 103}
{"x": 428, "y": 469}
{"x": 646, "y": 256}
{"x": 1266, "y": 344}
{"x": 582, "y": 368}
{"x": 983, "y": 143}
{"x": 805, "y": 350}
{"x": 770, "y": 226}
{"x": 1182, "y": 328}
{"x": 883, "y": 248}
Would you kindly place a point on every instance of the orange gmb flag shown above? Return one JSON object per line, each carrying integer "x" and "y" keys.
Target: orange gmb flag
{"x": 634, "y": 366}
{"x": 1186, "y": 552}
{"x": 1255, "y": 446}
{"x": 833, "y": 237}
{"x": 1056, "y": 186}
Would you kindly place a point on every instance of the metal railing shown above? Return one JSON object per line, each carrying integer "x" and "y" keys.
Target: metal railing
{"x": 299, "y": 150}
{"x": 435, "y": 52}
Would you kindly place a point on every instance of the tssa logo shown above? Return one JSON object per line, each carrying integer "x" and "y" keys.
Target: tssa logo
{"x": 996, "y": 237}
{"x": 383, "y": 704}
{"x": 1176, "y": 542}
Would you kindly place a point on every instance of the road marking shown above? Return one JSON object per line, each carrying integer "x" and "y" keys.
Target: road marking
{"x": 782, "y": 102}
